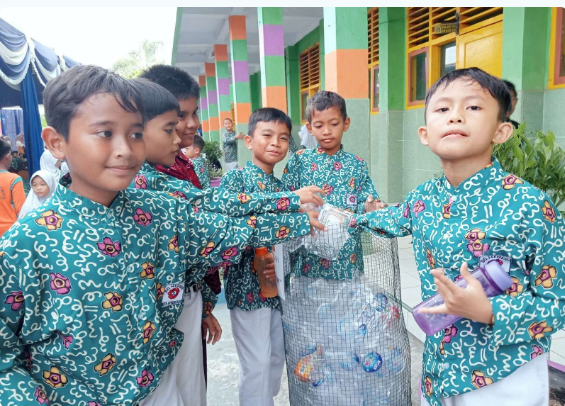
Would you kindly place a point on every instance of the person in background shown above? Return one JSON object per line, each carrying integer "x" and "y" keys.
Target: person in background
{"x": 194, "y": 153}
{"x": 230, "y": 144}
{"x": 12, "y": 195}
{"x": 514, "y": 100}
{"x": 49, "y": 163}
{"x": 43, "y": 184}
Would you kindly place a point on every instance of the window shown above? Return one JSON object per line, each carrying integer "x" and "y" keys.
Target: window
{"x": 373, "y": 39}
{"x": 447, "y": 58}
{"x": 418, "y": 76}
{"x": 558, "y": 41}
{"x": 375, "y": 89}
{"x": 309, "y": 76}
{"x": 432, "y": 42}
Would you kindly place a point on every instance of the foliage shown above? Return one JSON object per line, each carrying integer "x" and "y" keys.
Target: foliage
{"x": 43, "y": 121}
{"x": 538, "y": 160}
{"x": 213, "y": 153}
{"x": 140, "y": 59}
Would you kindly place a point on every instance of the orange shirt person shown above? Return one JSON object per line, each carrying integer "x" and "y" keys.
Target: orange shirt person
{"x": 12, "y": 195}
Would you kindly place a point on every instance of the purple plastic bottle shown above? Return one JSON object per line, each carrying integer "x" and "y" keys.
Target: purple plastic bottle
{"x": 494, "y": 280}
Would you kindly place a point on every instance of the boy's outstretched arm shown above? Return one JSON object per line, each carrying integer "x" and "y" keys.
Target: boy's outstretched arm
{"x": 17, "y": 387}
{"x": 392, "y": 221}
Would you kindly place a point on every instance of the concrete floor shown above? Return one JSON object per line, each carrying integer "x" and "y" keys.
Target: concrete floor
{"x": 223, "y": 367}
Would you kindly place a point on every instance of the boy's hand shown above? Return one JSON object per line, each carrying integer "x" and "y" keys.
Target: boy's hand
{"x": 308, "y": 195}
{"x": 314, "y": 223}
{"x": 372, "y": 205}
{"x": 470, "y": 302}
{"x": 211, "y": 326}
{"x": 239, "y": 136}
{"x": 270, "y": 268}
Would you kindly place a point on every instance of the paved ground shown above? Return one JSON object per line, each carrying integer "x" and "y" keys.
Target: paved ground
{"x": 223, "y": 367}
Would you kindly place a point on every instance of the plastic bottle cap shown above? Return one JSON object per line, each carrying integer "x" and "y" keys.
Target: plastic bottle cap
{"x": 261, "y": 251}
{"x": 498, "y": 276}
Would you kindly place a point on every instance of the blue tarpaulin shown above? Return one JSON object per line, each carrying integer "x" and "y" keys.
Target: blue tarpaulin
{"x": 26, "y": 66}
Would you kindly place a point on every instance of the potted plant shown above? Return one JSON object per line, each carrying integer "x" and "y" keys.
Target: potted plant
{"x": 538, "y": 160}
{"x": 212, "y": 155}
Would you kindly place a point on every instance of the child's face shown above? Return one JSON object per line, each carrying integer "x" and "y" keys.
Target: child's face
{"x": 161, "y": 139}
{"x": 104, "y": 150}
{"x": 269, "y": 143}
{"x": 462, "y": 123}
{"x": 228, "y": 125}
{"x": 327, "y": 127}
{"x": 192, "y": 152}
{"x": 188, "y": 121}
{"x": 39, "y": 187}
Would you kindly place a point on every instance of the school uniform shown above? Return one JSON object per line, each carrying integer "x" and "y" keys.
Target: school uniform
{"x": 190, "y": 378}
{"x": 201, "y": 171}
{"x": 256, "y": 320}
{"x": 90, "y": 294}
{"x": 493, "y": 215}
{"x": 230, "y": 150}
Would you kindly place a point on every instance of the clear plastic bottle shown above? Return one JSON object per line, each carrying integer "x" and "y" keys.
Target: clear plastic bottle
{"x": 267, "y": 286}
{"x": 494, "y": 280}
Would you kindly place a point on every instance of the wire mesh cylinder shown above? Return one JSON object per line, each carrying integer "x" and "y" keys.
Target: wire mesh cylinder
{"x": 345, "y": 339}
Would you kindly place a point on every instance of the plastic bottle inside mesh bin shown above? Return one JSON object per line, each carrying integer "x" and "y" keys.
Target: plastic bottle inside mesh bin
{"x": 492, "y": 277}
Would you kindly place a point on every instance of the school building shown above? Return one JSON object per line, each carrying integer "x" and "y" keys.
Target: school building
{"x": 381, "y": 60}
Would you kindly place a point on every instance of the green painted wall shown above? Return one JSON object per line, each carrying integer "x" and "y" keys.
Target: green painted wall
{"x": 255, "y": 84}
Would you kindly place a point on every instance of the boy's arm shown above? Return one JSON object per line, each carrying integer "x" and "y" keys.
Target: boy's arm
{"x": 541, "y": 311}
{"x": 393, "y": 221}
{"x": 18, "y": 387}
{"x": 212, "y": 239}
{"x": 291, "y": 173}
{"x": 209, "y": 300}
{"x": 233, "y": 182}
{"x": 18, "y": 194}
{"x": 366, "y": 189}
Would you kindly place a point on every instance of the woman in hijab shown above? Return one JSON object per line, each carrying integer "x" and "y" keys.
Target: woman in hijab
{"x": 43, "y": 184}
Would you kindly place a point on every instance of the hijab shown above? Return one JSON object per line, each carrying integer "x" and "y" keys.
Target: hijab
{"x": 33, "y": 201}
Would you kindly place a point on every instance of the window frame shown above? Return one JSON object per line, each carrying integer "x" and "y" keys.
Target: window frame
{"x": 557, "y": 41}
{"x": 416, "y": 103}
{"x": 312, "y": 88}
{"x": 372, "y": 69}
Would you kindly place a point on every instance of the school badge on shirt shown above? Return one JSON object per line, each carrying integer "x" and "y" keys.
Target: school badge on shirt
{"x": 174, "y": 293}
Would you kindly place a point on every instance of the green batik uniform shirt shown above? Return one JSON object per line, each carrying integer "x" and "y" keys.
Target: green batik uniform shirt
{"x": 345, "y": 179}
{"x": 230, "y": 147}
{"x": 223, "y": 201}
{"x": 493, "y": 213}
{"x": 201, "y": 171}
{"x": 242, "y": 284}
{"x": 89, "y": 295}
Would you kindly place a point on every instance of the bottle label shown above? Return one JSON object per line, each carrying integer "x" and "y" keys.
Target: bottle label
{"x": 503, "y": 261}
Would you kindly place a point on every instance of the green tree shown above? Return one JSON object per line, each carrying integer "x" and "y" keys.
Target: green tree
{"x": 137, "y": 60}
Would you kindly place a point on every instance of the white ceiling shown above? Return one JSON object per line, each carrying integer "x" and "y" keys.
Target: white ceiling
{"x": 202, "y": 27}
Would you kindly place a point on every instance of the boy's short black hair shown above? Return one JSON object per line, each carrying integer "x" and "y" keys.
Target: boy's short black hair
{"x": 198, "y": 142}
{"x": 175, "y": 80}
{"x": 5, "y": 148}
{"x": 268, "y": 115}
{"x": 156, "y": 99}
{"x": 510, "y": 86}
{"x": 227, "y": 118}
{"x": 324, "y": 100}
{"x": 64, "y": 94}
{"x": 491, "y": 84}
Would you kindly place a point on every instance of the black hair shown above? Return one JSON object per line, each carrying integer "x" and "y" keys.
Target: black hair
{"x": 175, "y": 80}
{"x": 198, "y": 142}
{"x": 268, "y": 115}
{"x": 156, "y": 99}
{"x": 510, "y": 86}
{"x": 227, "y": 118}
{"x": 5, "y": 148}
{"x": 324, "y": 100}
{"x": 65, "y": 93}
{"x": 487, "y": 82}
